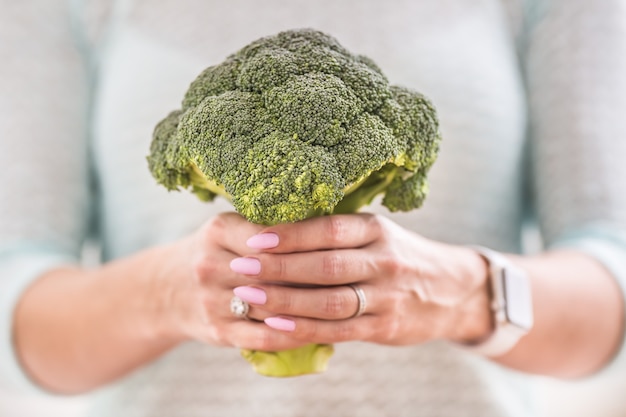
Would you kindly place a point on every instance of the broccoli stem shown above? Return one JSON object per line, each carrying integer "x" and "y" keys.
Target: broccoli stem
{"x": 375, "y": 184}
{"x": 202, "y": 185}
{"x": 308, "y": 359}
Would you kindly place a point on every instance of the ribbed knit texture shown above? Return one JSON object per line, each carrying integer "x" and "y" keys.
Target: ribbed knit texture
{"x": 483, "y": 63}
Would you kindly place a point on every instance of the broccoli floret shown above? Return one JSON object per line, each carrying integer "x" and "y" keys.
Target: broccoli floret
{"x": 294, "y": 126}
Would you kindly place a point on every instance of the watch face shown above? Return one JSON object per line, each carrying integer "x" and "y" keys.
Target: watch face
{"x": 518, "y": 298}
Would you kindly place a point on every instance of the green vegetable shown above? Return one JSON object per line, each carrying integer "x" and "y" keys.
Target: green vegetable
{"x": 294, "y": 126}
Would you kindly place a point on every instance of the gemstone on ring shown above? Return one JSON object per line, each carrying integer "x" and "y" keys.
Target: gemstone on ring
{"x": 239, "y": 308}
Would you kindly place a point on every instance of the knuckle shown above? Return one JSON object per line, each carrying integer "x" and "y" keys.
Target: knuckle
{"x": 344, "y": 331}
{"x": 308, "y": 332}
{"x": 279, "y": 269}
{"x": 272, "y": 266}
{"x": 211, "y": 232}
{"x": 376, "y": 223}
{"x": 222, "y": 338}
{"x": 335, "y": 229}
{"x": 394, "y": 266}
{"x": 335, "y": 305}
{"x": 390, "y": 266}
{"x": 215, "y": 335}
{"x": 333, "y": 265}
{"x": 203, "y": 270}
{"x": 388, "y": 327}
{"x": 263, "y": 341}
{"x": 215, "y": 225}
{"x": 284, "y": 304}
{"x": 391, "y": 331}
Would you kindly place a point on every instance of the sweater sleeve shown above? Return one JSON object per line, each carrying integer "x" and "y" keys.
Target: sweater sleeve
{"x": 575, "y": 64}
{"x": 44, "y": 187}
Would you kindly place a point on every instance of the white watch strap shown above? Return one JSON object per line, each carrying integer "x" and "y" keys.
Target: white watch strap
{"x": 499, "y": 342}
{"x": 511, "y": 305}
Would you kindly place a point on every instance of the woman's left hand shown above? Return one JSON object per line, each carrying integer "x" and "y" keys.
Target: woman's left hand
{"x": 416, "y": 289}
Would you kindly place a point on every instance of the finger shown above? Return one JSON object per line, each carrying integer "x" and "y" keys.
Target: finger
{"x": 254, "y": 314}
{"x": 258, "y": 336}
{"x": 328, "y": 303}
{"x": 258, "y": 314}
{"x": 225, "y": 303}
{"x": 230, "y": 231}
{"x": 208, "y": 267}
{"x": 323, "y": 331}
{"x": 335, "y": 267}
{"x": 319, "y": 233}
{"x": 211, "y": 271}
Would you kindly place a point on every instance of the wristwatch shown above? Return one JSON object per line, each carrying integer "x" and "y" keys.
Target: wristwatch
{"x": 511, "y": 305}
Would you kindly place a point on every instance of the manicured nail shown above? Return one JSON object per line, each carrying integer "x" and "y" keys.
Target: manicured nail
{"x": 251, "y": 295}
{"x": 280, "y": 323}
{"x": 246, "y": 266}
{"x": 263, "y": 241}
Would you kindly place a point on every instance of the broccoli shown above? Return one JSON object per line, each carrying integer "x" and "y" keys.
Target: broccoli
{"x": 294, "y": 126}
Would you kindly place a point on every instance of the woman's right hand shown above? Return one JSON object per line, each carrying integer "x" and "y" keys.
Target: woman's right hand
{"x": 194, "y": 286}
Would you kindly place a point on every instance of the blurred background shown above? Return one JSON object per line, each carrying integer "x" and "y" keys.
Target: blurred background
{"x": 590, "y": 398}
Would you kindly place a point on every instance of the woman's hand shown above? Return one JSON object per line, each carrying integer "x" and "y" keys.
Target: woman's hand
{"x": 77, "y": 329}
{"x": 194, "y": 286}
{"x": 416, "y": 289}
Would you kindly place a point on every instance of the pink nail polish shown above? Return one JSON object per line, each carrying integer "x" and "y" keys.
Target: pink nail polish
{"x": 246, "y": 266}
{"x": 251, "y": 295}
{"x": 280, "y": 323}
{"x": 263, "y": 241}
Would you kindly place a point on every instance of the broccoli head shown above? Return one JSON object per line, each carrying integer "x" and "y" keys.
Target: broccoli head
{"x": 294, "y": 126}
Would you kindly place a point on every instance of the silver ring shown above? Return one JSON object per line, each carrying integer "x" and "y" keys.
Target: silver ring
{"x": 362, "y": 300}
{"x": 239, "y": 308}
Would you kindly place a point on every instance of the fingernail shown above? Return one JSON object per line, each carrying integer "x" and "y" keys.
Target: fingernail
{"x": 251, "y": 294}
{"x": 263, "y": 241}
{"x": 246, "y": 266}
{"x": 280, "y": 323}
